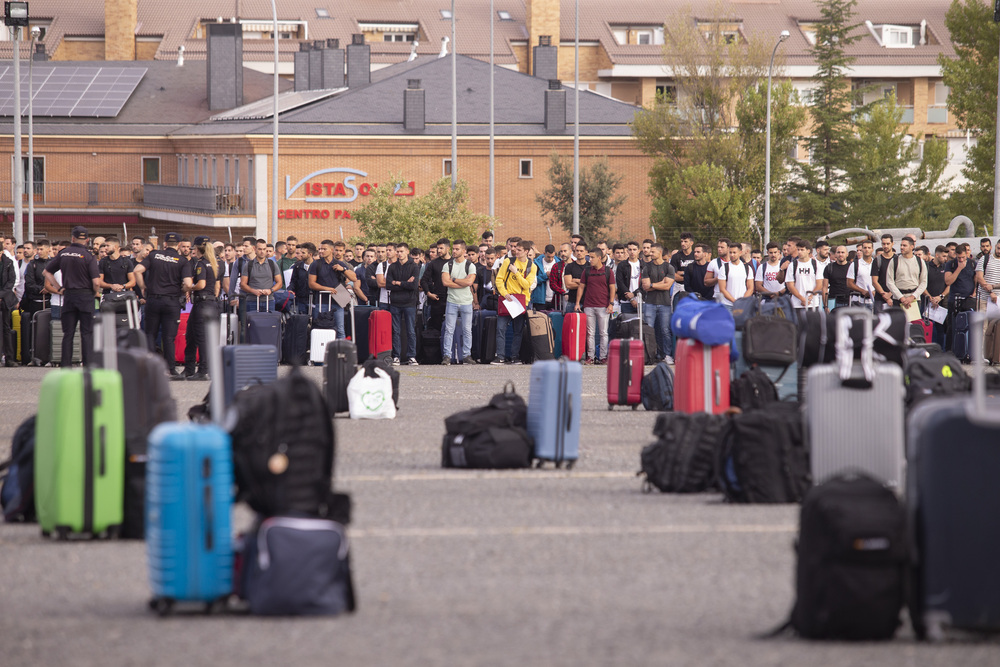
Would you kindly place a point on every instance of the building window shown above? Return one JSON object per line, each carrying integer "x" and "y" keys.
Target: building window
{"x": 39, "y": 176}
{"x": 322, "y": 13}
{"x": 504, "y": 16}
{"x": 397, "y": 37}
{"x": 446, "y": 167}
{"x": 897, "y": 36}
{"x": 638, "y": 34}
{"x": 666, "y": 93}
{"x": 525, "y": 170}
{"x": 726, "y": 33}
{"x": 446, "y": 13}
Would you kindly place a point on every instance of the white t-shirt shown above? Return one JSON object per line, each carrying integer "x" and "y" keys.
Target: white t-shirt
{"x": 383, "y": 293}
{"x": 822, "y": 264}
{"x": 56, "y": 299}
{"x": 991, "y": 274}
{"x": 547, "y": 267}
{"x": 864, "y": 277}
{"x": 715, "y": 268}
{"x": 768, "y": 274}
{"x": 736, "y": 281}
{"x": 635, "y": 276}
{"x": 805, "y": 277}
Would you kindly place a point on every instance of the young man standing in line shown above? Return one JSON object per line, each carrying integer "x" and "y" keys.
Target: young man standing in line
{"x": 572, "y": 270}
{"x": 597, "y": 293}
{"x": 402, "y": 283}
{"x": 736, "y": 281}
{"x": 803, "y": 279}
{"x": 768, "y": 279}
{"x": 937, "y": 290}
{"x": 657, "y": 279}
{"x": 515, "y": 278}
{"x": 628, "y": 280}
{"x": 459, "y": 276}
{"x": 835, "y": 274}
{"x": 859, "y": 276}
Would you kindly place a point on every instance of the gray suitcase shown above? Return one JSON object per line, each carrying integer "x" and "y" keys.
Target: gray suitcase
{"x": 57, "y": 339}
{"x": 855, "y": 411}
{"x": 246, "y": 365}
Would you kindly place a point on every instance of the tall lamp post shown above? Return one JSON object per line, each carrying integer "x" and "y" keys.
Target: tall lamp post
{"x": 576, "y": 119}
{"x": 15, "y": 15}
{"x": 35, "y": 32}
{"x": 492, "y": 128}
{"x": 274, "y": 132}
{"x": 996, "y": 163}
{"x": 767, "y": 145}
{"x": 454, "y": 103}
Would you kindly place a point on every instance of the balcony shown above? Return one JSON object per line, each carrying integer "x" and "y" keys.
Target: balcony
{"x": 907, "y": 114}
{"x": 937, "y": 114}
{"x": 135, "y": 197}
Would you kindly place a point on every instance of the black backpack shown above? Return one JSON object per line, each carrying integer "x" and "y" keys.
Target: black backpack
{"x": 752, "y": 390}
{"x": 17, "y": 495}
{"x": 657, "y": 389}
{"x": 763, "y": 458}
{"x": 386, "y": 365}
{"x": 492, "y": 436}
{"x": 682, "y": 460}
{"x": 850, "y": 569}
{"x": 284, "y": 449}
{"x": 940, "y": 375}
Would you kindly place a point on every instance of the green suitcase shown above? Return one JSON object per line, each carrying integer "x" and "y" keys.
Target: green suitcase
{"x": 80, "y": 453}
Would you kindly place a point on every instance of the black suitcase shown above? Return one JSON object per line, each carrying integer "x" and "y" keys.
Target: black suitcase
{"x": 360, "y": 322}
{"x": 41, "y": 337}
{"x": 488, "y": 342}
{"x": 295, "y": 340}
{"x": 429, "y": 347}
{"x": 339, "y": 366}
{"x": 631, "y": 329}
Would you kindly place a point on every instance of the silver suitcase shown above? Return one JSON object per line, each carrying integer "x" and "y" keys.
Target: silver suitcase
{"x": 855, "y": 411}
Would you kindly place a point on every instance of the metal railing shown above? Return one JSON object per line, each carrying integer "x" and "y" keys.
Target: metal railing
{"x": 76, "y": 195}
{"x": 80, "y": 194}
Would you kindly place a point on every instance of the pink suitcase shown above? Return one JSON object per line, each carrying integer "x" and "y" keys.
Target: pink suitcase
{"x": 701, "y": 377}
{"x": 574, "y": 336}
{"x": 626, "y": 357}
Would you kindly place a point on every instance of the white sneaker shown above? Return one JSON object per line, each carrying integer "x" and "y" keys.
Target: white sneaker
{"x": 669, "y": 360}
{"x": 395, "y": 361}
{"x": 412, "y": 362}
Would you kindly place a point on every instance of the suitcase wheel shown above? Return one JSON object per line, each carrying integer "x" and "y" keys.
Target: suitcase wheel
{"x": 46, "y": 534}
{"x": 162, "y": 606}
{"x": 62, "y": 533}
{"x": 611, "y": 407}
{"x": 539, "y": 463}
{"x": 635, "y": 407}
{"x": 570, "y": 464}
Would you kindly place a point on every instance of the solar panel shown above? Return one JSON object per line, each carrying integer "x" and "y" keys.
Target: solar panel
{"x": 71, "y": 91}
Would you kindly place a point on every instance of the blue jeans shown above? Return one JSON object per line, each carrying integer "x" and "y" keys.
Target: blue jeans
{"x": 404, "y": 315}
{"x": 502, "y": 322}
{"x": 451, "y": 314}
{"x": 658, "y": 317}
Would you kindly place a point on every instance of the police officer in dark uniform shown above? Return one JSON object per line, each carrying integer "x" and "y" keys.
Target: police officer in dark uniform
{"x": 81, "y": 282}
{"x": 201, "y": 282}
{"x": 160, "y": 276}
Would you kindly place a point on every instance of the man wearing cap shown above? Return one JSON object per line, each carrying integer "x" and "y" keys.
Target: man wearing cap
{"x": 160, "y": 275}
{"x": 81, "y": 282}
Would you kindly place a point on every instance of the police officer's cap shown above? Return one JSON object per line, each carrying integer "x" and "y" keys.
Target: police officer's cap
{"x": 201, "y": 240}
{"x": 79, "y": 232}
{"x": 172, "y": 237}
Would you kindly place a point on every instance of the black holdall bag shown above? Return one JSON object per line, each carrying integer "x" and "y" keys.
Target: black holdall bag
{"x": 682, "y": 460}
{"x": 492, "y": 436}
{"x": 752, "y": 390}
{"x": 851, "y": 561}
{"x": 744, "y": 309}
{"x": 936, "y": 377}
{"x": 17, "y": 476}
{"x": 770, "y": 340}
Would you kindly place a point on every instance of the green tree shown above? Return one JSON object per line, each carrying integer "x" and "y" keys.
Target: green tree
{"x": 972, "y": 77}
{"x": 823, "y": 179}
{"x": 598, "y": 202}
{"x": 420, "y": 221}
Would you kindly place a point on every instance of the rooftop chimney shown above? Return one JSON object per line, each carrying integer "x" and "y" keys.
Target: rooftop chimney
{"x": 359, "y": 62}
{"x": 541, "y": 18}
{"x": 545, "y": 59}
{"x": 316, "y": 65}
{"x": 224, "y": 46}
{"x": 555, "y": 108}
{"x": 120, "y": 17}
{"x": 302, "y": 66}
{"x": 413, "y": 106}
{"x": 333, "y": 65}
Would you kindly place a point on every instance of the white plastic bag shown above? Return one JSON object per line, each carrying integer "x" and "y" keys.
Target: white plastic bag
{"x": 371, "y": 397}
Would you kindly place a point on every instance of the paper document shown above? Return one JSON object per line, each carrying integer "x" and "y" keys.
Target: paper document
{"x": 992, "y": 308}
{"x": 937, "y": 313}
{"x": 912, "y": 312}
{"x": 514, "y": 307}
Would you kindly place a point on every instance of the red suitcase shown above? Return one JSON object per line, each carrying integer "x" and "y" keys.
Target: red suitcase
{"x": 574, "y": 336}
{"x": 701, "y": 381}
{"x": 380, "y": 333}
{"x": 625, "y": 360}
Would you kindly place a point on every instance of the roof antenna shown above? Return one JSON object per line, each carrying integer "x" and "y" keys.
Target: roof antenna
{"x": 180, "y": 56}
{"x": 444, "y": 47}
{"x": 413, "y": 52}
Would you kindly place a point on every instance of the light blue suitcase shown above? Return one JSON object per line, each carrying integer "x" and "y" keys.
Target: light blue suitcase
{"x": 557, "y": 324}
{"x": 785, "y": 378}
{"x": 554, "y": 406}
{"x": 189, "y": 481}
{"x": 244, "y": 365}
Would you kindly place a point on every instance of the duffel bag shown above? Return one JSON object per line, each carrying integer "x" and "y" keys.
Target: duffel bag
{"x": 705, "y": 321}
{"x": 744, "y": 309}
{"x": 770, "y": 340}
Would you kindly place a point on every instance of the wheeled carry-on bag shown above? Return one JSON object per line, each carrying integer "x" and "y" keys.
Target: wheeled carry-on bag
{"x": 484, "y": 335}
{"x": 229, "y": 325}
{"x": 295, "y": 338}
{"x": 244, "y": 365}
{"x": 41, "y": 337}
{"x": 189, "y": 505}
{"x": 574, "y": 336}
{"x": 960, "y": 338}
{"x": 358, "y": 331}
{"x": 554, "y": 406}
{"x": 264, "y": 328}
{"x": 380, "y": 333}
{"x": 320, "y": 338}
{"x": 854, "y": 409}
{"x": 557, "y": 317}
{"x": 953, "y": 500}
{"x": 80, "y": 452}
{"x": 340, "y": 365}
{"x": 701, "y": 377}
{"x": 541, "y": 338}
{"x": 180, "y": 340}
{"x": 625, "y": 365}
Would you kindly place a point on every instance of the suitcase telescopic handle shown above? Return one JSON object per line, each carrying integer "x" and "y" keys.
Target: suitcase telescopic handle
{"x": 209, "y": 519}
{"x": 718, "y": 388}
{"x": 569, "y": 412}
{"x": 103, "y": 449}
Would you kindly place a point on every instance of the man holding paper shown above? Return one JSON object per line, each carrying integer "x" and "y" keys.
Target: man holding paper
{"x": 937, "y": 294}
{"x": 906, "y": 278}
{"x": 514, "y": 282}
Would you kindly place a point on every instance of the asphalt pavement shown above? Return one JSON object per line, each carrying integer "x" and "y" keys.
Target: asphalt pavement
{"x": 527, "y": 567}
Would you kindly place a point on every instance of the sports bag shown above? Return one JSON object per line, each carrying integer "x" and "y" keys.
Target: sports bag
{"x": 752, "y": 390}
{"x": 744, "y": 309}
{"x": 937, "y": 376}
{"x": 17, "y": 494}
{"x": 705, "y": 321}
{"x": 850, "y": 569}
{"x": 762, "y": 458}
{"x": 770, "y": 340}
{"x": 780, "y": 306}
{"x": 682, "y": 460}
{"x": 657, "y": 389}
{"x": 492, "y": 436}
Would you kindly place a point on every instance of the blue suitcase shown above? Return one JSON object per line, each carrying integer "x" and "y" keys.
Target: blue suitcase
{"x": 243, "y": 365}
{"x": 264, "y": 329}
{"x": 960, "y": 336}
{"x": 557, "y": 326}
{"x": 189, "y": 482}
{"x": 554, "y": 406}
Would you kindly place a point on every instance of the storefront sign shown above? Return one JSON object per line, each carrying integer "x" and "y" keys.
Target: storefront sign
{"x": 344, "y": 190}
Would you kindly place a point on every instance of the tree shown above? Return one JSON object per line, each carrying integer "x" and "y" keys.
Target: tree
{"x": 420, "y": 221}
{"x": 598, "y": 202}
{"x": 972, "y": 77}
{"x": 824, "y": 178}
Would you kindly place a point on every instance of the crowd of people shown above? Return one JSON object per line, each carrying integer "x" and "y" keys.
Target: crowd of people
{"x": 452, "y": 279}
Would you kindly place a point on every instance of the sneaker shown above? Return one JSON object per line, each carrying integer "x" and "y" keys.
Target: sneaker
{"x": 395, "y": 361}
{"x": 197, "y": 377}
{"x": 446, "y": 362}
{"x": 588, "y": 362}
{"x": 516, "y": 362}
{"x": 412, "y": 362}
{"x": 177, "y": 377}
{"x": 669, "y": 360}
{"x": 600, "y": 362}
{"x": 499, "y": 361}
{"x": 469, "y": 361}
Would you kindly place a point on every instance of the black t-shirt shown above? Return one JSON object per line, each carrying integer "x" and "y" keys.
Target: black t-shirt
{"x": 432, "y": 281}
{"x": 680, "y": 261}
{"x": 202, "y": 270}
{"x": 115, "y": 271}
{"x": 694, "y": 281}
{"x": 78, "y": 266}
{"x": 935, "y": 278}
{"x": 963, "y": 286}
{"x": 164, "y": 273}
{"x": 325, "y": 274}
{"x": 836, "y": 275}
{"x": 574, "y": 271}
{"x": 883, "y": 264}
{"x": 656, "y": 297}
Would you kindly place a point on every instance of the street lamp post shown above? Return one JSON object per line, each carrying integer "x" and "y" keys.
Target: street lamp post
{"x": 454, "y": 103}
{"x": 16, "y": 17}
{"x": 274, "y": 132}
{"x": 767, "y": 145}
{"x": 492, "y": 129}
{"x": 35, "y": 32}
{"x": 996, "y": 163}
{"x": 576, "y": 120}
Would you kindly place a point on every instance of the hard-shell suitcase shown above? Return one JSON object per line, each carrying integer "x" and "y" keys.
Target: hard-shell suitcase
{"x": 429, "y": 347}
{"x": 626, "y": 357}
{"x": 341, "y": 363}
{"x": 953, "y": 500}
{"x": 264, "y": 329}
{"x": 542, "y": 339}
{"x": 295, "y": 340}
{"x": 229, "y": 326}
{"x": 856, "y": 421}
{"x": 244, "y": 365}
{"x": 574, "y": 336}
{"x": 919, "y": 332}
{"x": 80, "y": 452}
{"x": 319, "y": 340}
{"x": 55, "y": 346}
{"x": 180, "y": 341}
{"x": 359, "y": 323}
{"x": 554, "y": 406}
{"x": 15, "y": 320}
{"x": 380, "y": 333}
{"x": 701, "y": 382}
{"x": 488, "y": 338}
{"x": 557, "y": 330}
{"x": 960, "y": 335}
{"x": 41, "y": 337}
